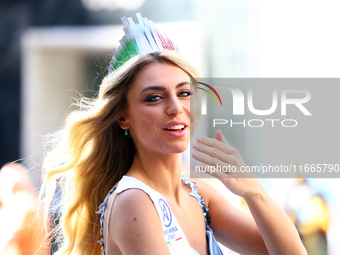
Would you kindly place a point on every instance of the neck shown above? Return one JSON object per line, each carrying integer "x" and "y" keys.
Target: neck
{"x": 160, "y": 172}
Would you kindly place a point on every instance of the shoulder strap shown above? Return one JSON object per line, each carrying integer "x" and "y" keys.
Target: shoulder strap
{"x": 101, "y": 211}
{"x": 214, "y": 249}
{"x": 194, "y": 193}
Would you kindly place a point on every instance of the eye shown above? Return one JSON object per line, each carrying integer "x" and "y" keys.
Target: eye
{"x": 184, "y": 93}
{"x": 153, "y": 98}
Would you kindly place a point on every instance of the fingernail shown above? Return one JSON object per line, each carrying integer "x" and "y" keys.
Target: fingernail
{"x": 194, "y": 154}
{"x": 195, "y": 146}
{"x": 199, "y": 139}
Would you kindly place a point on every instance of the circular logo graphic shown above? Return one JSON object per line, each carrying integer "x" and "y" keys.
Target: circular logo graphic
{"x": 166, "y": 212}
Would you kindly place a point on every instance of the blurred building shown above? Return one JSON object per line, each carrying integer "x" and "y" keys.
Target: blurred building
{"x": 17, "y": 16}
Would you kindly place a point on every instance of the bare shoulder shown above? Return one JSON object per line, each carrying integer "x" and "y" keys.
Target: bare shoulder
{"x": 133, "y": 202}
{"x": 134, "y": 220}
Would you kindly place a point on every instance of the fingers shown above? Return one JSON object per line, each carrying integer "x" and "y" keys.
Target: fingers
{"x": 220, "y": 143}
{"x": 208, "y": 159}
{"x": 211, "y": 155}
{"x": 217, "y": 153}
{"x": 220, "y": 137}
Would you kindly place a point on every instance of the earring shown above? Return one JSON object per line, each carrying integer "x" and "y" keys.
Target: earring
{"x": 126, "y": 132}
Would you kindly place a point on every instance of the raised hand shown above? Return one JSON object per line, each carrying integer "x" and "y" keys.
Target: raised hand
{"x": 226, "y": 164}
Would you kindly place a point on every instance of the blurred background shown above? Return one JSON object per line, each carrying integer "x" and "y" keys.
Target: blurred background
{"x": 51, "y": 50}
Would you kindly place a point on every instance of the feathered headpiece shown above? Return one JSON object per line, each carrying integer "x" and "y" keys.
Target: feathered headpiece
{"x": 139, "y": 39}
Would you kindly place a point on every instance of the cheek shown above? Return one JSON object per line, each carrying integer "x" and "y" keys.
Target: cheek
{"x": 145, "y": 127}
{"x": 144, "y": 118}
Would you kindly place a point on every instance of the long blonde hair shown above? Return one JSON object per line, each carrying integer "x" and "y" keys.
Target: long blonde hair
{"x": 91, "y": 154}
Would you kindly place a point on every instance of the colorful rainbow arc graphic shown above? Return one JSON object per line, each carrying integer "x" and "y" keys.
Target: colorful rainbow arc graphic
{"x": 209, "y": 93}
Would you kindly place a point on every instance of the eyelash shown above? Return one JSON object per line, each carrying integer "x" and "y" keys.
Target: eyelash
{"x": 152, "y": 97}
{"x": 188, "y": 92}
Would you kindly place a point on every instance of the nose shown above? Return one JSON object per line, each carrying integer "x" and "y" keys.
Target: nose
{"x": 174, "y": 106}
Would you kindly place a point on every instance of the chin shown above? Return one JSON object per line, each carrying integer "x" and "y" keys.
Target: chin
{"x": 179, "y": 149}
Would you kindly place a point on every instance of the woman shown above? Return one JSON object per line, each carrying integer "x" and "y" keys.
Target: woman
{"x": 131, "y": 138}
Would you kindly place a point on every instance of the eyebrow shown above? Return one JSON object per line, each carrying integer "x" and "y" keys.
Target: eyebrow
{"x": 163, "y": 88}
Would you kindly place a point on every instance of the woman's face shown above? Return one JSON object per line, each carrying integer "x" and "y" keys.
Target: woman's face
{"x": 158, "y": 115}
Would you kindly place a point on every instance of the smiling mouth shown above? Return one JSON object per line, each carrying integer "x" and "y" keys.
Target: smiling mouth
{"x": 176, "y": 128}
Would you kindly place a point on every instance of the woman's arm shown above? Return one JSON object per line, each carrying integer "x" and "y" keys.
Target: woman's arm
{"x": 272, "y": 231}
{"x": 134, "y": 226}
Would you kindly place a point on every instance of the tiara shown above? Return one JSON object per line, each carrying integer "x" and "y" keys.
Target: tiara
{"x": 139, "y": 38}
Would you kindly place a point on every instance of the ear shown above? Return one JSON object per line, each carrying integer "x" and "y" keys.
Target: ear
{"x": 123, "y": 122}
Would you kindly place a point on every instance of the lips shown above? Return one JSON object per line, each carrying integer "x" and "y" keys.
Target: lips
{"x": 176, "y": 128}
{"x": 178, "y": 124}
